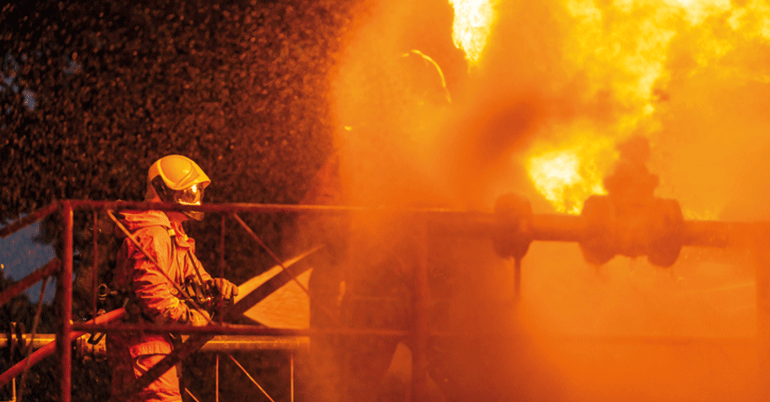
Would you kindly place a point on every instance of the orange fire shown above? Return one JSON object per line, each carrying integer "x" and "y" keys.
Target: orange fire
{"x": 569, "y": 174}
{"x": 472, "y": 25}
{"x": 629, "y": 51}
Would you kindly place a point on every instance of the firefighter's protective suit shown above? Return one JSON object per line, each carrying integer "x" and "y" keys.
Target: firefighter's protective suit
{"x": 151, "y": 266}
{"x": 152, "y": 298}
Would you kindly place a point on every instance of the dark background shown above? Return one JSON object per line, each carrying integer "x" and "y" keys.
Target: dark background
{"x": 94, "y": 92}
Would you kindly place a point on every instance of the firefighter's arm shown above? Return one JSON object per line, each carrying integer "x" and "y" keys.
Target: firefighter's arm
{"x": 225, "y": 288}
{"x": 222, "y": 286}
{"x": 155, "y": 293}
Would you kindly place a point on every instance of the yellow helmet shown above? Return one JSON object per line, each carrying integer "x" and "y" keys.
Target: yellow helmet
{"x": 178, "y": 179}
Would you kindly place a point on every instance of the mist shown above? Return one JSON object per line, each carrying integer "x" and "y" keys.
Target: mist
{"x": 690, "y": 77}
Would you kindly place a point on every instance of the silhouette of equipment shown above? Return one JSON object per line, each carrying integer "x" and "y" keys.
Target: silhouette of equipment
{"x": 628, "y": 221}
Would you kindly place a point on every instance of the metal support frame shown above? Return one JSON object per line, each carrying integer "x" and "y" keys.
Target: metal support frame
{"x": 420, "y": 327}
{"x": 762, "y": 271}
{"x": 64, "y": 302}
{"x": 544, "y": 227}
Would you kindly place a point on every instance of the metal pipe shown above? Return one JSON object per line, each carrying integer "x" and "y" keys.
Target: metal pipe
{"x": 38, "y": 342}
{"x": 218, "y": 343}
{"x": 546, "y": 227}
{"x": 291, "y": 342}
{"x": 420, "y": 311}
{"x": 187, "y": 390}
{"x": 250, "y": 207}
{"x": 234, "y": 343}
{"x": 233, "y": 330}
{"x": 95, "y": 256}
{"x": 762, "y": 283}
{"x": 27, "y": 349}
{"x": 553, "y": 227}
{"x": 17, "y": 288}
{"x": 216, "y": 379}
{"x": 222, "y": 264}
{"x": 28, "y": 220}
{"x": 64, "y": 301}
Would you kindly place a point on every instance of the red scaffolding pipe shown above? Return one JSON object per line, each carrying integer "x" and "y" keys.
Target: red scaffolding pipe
{"x": 41, "y": 273}
{"x": 28, "y": 220}
{"x": 545, "y": 227}
{"x": 64, "y": 299}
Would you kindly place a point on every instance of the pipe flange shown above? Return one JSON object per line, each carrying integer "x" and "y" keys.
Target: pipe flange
{"x": 666, "y": 233}
{"x": 513, "y": 232}
{"x": 599, "y": 242}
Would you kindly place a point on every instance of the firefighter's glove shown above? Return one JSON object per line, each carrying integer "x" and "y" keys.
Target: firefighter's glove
{"x": 196, "y": 318}
{"x": 224, "y": 288}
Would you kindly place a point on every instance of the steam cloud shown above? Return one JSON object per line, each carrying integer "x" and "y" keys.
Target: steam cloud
{"x": 690, "y": 76}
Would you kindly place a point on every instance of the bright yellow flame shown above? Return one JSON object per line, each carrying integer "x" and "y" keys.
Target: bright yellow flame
{"x": 752, "y": 20}
{"x": 626, "y": 51}
{"x": 471, "y": 27}
{"x": 635, "y": 50}
{"x": 568, "y": 174}
{"x": 554, "y": 174}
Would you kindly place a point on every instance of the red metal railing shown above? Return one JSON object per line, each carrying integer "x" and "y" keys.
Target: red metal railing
{"x": 545, "y": 227}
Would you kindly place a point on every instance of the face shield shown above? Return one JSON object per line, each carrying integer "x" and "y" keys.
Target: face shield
{"x": 192, "y": 195}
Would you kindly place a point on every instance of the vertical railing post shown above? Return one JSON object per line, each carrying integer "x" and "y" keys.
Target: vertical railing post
{"x": 95, "y": 275}
{"x": 64, "y": 300}
{"x": 420, "y": 312}
{"x": 216, "y": 379}
{"x": 222, "y": 261}
{"x": 761, "y": 251}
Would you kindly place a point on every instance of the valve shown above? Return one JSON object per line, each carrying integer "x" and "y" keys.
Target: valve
{"x": 630, "y": 221}
{"x": 653, "y": 229}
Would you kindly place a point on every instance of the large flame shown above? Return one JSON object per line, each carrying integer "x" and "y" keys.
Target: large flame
{"x": 472, "y": 25}
{"x": 568, "y": 174}
{"x": 628, "y": 51}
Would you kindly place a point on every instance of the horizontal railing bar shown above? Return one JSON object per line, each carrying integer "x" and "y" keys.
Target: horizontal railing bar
{"x": 17, "y": 288}
{"x": 272, "y": 342}
{"x": 248, "y": 207}
{"x": 228, "y": 329}
{"x": 218, "y": 343}
{"x": 545, "y": 227}
{"x": 246, "y": 330}
{"x": 28, "y": 220}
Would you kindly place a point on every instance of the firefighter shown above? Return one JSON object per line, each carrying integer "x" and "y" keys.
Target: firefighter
{"x": 146, "y": 284}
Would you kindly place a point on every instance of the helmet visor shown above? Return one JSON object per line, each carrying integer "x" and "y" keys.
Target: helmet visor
{"x": 192, "y": 195}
